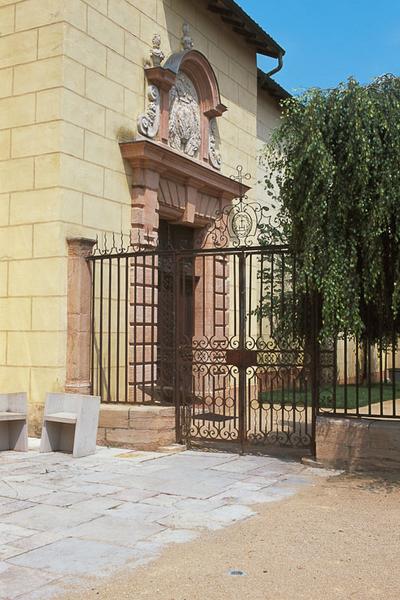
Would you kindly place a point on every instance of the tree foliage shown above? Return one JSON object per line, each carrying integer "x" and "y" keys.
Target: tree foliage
{"x": 333, "y": 170}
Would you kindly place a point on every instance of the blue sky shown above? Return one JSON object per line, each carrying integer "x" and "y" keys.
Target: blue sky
{"x": 326, "y": 41}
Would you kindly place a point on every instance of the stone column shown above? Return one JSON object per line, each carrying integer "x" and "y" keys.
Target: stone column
{"x": 78, "y": 316}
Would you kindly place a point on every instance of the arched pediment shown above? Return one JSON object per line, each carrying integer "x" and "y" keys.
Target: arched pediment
{"x": 184, "y": 103}
{"x": 198, "y": 68}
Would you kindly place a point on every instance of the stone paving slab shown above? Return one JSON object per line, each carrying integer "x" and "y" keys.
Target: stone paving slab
{"x": 43, "y": 517}
{"x": 63, "y": 518}
{"x": 17, "y": 581}
{"x": 10, "y": 506}
{"x": 110, "y": 529}
{"x": 72, "y": 556}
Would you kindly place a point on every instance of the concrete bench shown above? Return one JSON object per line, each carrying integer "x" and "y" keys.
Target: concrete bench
{"x": 70, "y": 424}
{"x": 13, "y": 422}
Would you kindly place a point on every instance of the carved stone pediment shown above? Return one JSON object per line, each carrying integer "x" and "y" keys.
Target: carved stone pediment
{"x": 184, "y": 103}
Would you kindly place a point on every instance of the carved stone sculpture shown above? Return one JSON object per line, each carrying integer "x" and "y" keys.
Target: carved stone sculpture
{"x": 187, "y": 42}
{"x": 157, "y": 55}
{"x": 149, "y": 123}
{"x": 184, "y": 117}
{"x": 214, "y": 154}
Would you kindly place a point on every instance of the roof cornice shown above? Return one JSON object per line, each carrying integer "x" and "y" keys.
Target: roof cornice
{"x": 242, "y": 24}
{"x": 265, "y": 82}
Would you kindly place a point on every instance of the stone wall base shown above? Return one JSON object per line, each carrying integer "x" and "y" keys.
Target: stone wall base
{"x": 140, "y": 427}
{"x": 358, "y": 444}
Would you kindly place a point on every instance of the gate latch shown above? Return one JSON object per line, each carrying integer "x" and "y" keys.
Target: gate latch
{"x": 241, "y": 358}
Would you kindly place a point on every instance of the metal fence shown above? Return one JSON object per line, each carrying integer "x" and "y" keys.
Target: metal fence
{"x": 360, "y": 378}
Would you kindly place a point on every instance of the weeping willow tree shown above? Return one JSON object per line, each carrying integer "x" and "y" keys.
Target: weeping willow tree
{"x": 333, "y": 172}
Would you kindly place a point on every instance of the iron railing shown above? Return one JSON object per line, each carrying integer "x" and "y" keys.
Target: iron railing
{"x": 360, "y": 378}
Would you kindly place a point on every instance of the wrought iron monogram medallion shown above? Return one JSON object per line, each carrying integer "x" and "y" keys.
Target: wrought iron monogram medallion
{"x": 240, "y": 223}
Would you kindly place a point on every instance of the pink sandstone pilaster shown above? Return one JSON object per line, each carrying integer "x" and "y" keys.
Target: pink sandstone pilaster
{"x": 143, "y": 311}
{"x": 78, "y": 316}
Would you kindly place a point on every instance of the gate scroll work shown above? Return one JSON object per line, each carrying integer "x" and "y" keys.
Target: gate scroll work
{"x": 241, "y": 375}
{"x": 209, "y": 326}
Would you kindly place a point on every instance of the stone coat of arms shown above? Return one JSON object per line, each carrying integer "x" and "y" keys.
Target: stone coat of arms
{"x": 184, "y": 117}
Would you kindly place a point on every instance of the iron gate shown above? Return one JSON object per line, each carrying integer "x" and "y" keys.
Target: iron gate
{"x": 211, "y": 329}
{"x": 240, "y": 375}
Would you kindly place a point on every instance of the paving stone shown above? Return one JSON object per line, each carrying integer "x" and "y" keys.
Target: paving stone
{"x": 7, "y": 551}
{"x": 187, "y": 519}
{"x": 196, "y": 505}
{"x": 62, "y": 498}
{"x": 113, "y": 530}
{"x": 22, "y": 478}
{"x": 20, "y": 491}
{"x": 47, "y": 517}
{"x": 51, "y": 591}
{"x": 94, "y": 489}
{"x": 73, "y": 556}
{"x": 245, "y": 464}
{"x": 99, "y": 477}
{"x": 39, "y": 539}
{"x": 188, "y": 485}
{"x": 214, "y": 519}
{"x": 175, "y": 536}
{"x": 10, "y": 533}
{"x": 77, "y": 517}
{"x": 277, "y": 470}
{"x": 279, "y": 492}
{"x": 54, "y": 481}
{"x": 243, "y": 496}
{"x": 98, "y": 505}
{"x": 16, "y": 581}
{"x": 163, "y": 500}
{"x": 14, "y": 506}
{"x": 201, "y": 460}
{"x": 230, "y": 514}
{"x": 257, "y": 482}
{"x": 134, "y": 495}
{"x": 135, "y": 511}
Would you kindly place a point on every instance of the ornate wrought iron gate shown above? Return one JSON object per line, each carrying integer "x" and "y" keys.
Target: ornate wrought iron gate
{"x": 211, "y": 329}
{"x": 240, "y": 375}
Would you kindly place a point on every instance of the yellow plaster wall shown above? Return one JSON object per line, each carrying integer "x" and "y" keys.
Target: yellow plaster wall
{"x": 71, "y": 86}
{"x": 268, "y": 116}
{"x": 33, "y": 206}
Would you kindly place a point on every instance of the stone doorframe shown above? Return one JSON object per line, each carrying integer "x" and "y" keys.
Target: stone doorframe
{"x": 183, "y": 191}
{"x": 170, "y": 184}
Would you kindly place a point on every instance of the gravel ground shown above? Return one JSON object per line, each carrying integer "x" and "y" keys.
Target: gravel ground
{"x": 339, "y": 539}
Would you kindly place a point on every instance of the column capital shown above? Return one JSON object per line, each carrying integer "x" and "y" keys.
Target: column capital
{"x": 146, "y": 178}
{"x": 80, "y": 246}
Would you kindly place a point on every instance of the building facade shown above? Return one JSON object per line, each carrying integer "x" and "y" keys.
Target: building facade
{"x": 115, "y": 116}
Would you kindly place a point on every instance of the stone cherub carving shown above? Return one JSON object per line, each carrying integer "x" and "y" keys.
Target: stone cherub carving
{"x": 156, "y": 54}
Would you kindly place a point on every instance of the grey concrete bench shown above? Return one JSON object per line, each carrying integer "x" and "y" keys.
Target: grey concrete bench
{"x": 70, "y": 424}
{"x": 13, "y": 422}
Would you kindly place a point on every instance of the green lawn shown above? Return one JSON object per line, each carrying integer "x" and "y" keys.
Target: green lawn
{"x": 326, "y": 395}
